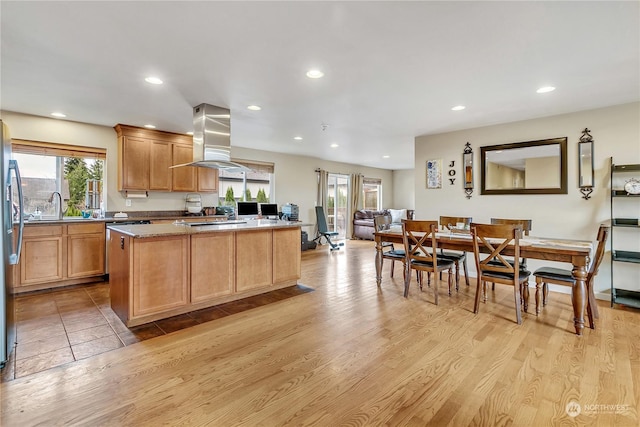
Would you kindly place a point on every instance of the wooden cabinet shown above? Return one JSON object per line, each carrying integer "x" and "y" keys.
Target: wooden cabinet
{"x": 212, "y": 266}
{"x": 184, "y": 178}
{"x": 160, "y": 275}
{"x": 159, "y": 166}
{"x": 42, "y": 255}
{"x": 254, "y": 259}
{"x": 58, "y": 255}
{"x": 85, "y": 250}
{"x": 207, "y": 180}
{"x": 134, "y": 163}
{"x": 145, "y": 158}
{"x": 286, "y": 254}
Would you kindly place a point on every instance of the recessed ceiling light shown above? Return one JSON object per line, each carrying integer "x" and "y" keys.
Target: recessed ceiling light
{"x": 334, "y": 145}
{"x": 58, "y": 114}
{"x": 314, "y": 74}
{"x": 150, "y": 126}
{"x": 297, "y": 138}
{"x": 385, "y": 157}
{"x": 458, "y": 108}
{"x": 190, "y": 133}
{"x": 254, "y": 108}
{"x": 153, "y": 80}
{"x": 546, "y": 89}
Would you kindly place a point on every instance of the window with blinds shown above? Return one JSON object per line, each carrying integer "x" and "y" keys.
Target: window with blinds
{"x": 372, "y": 193}
{"x": 254, "y": 186}
{"x": 76, "y": 172}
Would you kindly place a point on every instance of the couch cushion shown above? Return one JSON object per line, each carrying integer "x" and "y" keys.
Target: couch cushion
{"x": 367, "y": 222}
{"x": 397, "y": 215}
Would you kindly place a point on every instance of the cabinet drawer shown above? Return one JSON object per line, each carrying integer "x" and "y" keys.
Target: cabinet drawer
{"x": 85, "y": 228}
{"x": 42, "y": 230}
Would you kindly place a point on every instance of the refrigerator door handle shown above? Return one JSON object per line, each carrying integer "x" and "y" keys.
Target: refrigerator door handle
{"x": 14, "y": 257}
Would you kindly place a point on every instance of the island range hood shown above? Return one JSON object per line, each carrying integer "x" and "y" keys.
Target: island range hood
{"x": 212, "y": 139}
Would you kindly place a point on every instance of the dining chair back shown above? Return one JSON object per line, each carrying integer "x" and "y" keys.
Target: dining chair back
{"x": 560, "y": 276}
{"x": 383, "y": 223}
{"x": 421, "y": 247}
{"x": 452, "y": 223}
{"x": 490, "y": 244}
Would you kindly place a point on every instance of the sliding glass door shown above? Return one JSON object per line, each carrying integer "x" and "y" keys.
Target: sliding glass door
{"x": 337, "y": 203}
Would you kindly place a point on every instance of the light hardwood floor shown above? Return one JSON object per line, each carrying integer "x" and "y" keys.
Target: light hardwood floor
{"x": 354, "y": 354}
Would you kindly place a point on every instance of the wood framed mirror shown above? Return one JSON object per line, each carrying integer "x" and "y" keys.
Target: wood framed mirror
{"x": 530, "y": 167}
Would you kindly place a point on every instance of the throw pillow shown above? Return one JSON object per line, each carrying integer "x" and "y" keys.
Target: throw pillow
{"x": 397, "y": 215}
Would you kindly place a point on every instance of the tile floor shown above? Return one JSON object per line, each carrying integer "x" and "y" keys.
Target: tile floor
{"x": 61, "y": 326}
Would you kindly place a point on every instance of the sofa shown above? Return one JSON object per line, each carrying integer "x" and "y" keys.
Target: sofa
{"x": 363, "y": 227}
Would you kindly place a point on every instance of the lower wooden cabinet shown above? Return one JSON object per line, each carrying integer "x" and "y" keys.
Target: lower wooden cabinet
{"x": 152, "y": 278}
{"x": 42, "y": 255}
{"x": 160, "y": 274}
{"x": 58, "y": 255}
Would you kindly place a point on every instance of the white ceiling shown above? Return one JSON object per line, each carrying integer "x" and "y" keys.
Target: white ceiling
{"x": 393, "y": 70}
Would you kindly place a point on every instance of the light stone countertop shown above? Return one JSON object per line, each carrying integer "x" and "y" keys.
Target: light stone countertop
{"x": 158, "y": 230}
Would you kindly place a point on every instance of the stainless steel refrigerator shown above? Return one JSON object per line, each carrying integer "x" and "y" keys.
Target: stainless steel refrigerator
{"x": 11, "y": 211}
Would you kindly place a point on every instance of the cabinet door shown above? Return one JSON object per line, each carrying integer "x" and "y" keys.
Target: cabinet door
{"x": 184, "y": 178}
{"x": 134, "y": 170}
{"x": 160, "y": 274}
{"x": 208, "y": 180}
{"x": 286, "y": 254}
{"x": 212, "y": 266}
{"x": 41, "y": 260}
{"x": 85, "y": 255}
{"x": 254, "y": 255}
{"x": 159, "y": 163}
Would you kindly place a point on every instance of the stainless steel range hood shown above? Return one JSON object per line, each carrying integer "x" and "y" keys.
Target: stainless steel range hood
{"x": 212, "y": 139}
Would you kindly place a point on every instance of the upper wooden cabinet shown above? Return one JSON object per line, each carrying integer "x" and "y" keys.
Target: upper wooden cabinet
{"x": 184, "y": 178}
{"x": 145, "y": 157}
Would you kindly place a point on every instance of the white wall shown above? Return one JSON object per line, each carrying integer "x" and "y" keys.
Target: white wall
{"x": 404, "y": 189}
{"x": 616, "y": 133}
{"x": 295, "y": 176}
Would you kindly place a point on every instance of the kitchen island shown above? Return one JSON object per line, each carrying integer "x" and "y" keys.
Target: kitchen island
{"x": 162, "y": 270}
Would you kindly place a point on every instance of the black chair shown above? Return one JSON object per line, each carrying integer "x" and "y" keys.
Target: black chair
{"x": 323, "y": 230}
{"x": 382, "y": 223}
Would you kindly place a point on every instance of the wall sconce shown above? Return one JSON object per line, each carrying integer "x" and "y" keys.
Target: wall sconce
{"x": 467, "y": 164}
{"x": 585, "y": 164}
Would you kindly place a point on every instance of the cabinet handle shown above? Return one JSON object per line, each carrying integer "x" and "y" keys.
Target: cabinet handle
{"x": 122, "y": 242}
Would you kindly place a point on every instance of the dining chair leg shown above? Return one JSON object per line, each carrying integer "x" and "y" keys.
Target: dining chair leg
{"x": 484, "y": 291}
{"x": 516, "y": 297}
{"x": 457, "y": 263}
{"x": 525, "y": 296}
{"x": 545, "y": 293}
{"x": 592, "y": 300}
{"x": 393, "y": 264}
{"x": 466, "y": 270}
{"x": 450, "y": 282}
{"x": 435, "y": 287}
{"x": 476, "y": 303}
{"x": 407, "y": 281}
{"x": 538, "y": 294}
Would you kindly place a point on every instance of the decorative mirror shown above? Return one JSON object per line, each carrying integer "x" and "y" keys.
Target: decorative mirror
{"x": 531, "y": 167}
{"x": 467, "y": 163}
{"x": 585, "y": 164}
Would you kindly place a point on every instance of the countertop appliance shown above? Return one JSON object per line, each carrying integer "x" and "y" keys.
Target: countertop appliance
{"x": 12, "y": 207}
{"x": 193, "y": 203}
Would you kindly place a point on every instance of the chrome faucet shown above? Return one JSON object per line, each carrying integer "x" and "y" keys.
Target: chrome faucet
{"x": 59, "y": 213}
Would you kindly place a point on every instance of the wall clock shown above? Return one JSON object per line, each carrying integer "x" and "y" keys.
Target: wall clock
{"x": 632, "y": 186}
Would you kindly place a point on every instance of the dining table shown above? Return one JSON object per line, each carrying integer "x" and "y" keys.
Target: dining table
{"x": 576, "y": 252}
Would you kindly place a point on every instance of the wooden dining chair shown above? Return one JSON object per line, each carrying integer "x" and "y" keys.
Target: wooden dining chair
{"x": 492, "y": 266}
{"x": 448, "y": 223}
{"x": 421, "y": 248}
{"x": 560, "y": 276}
{"x": 525, "y": 225}
{"x": 381, "y": 223}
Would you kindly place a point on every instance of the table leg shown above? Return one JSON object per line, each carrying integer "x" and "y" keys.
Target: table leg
{"x": 579, "y": 297}
{"x": 378, "y": 262}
